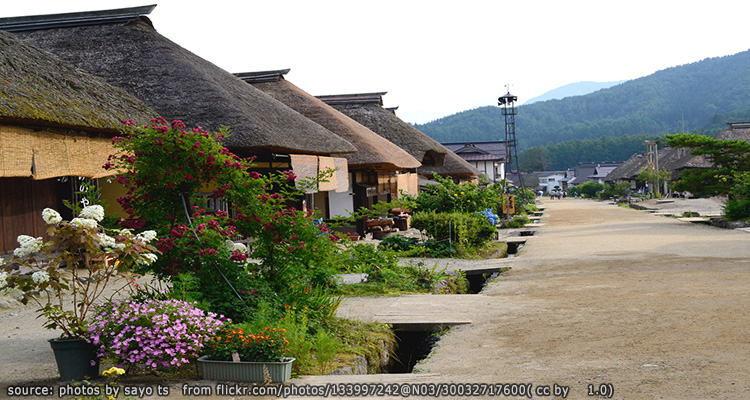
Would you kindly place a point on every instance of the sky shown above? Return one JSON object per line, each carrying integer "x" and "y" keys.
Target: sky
{"x": 435, "y": 58}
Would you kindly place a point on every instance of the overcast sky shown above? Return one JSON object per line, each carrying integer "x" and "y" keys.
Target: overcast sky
{"x": 436, "y": 58}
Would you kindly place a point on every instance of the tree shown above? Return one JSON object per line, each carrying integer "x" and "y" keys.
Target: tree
{"x": 654, "y": 178}
{"x": 728, "y": 158}
{"x": 590, "y": 189}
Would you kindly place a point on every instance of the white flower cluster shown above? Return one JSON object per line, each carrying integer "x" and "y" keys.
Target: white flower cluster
{"x": 51, "y": 217}
{"x": 84, "y": 223}
{"x": 3, "y": 279}
{"x": 232, "y": 246}
{"x": 106, "y": 241}
{"x": 29, "y": 245}
{"x": 146, "y": 236}
{"x": 95, "y": 212}
{"x": 40, "y": 277}
{"x": 147, "y": 259}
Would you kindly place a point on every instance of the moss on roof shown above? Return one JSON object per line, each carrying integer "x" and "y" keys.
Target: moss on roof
{"x": 37, "y": 87}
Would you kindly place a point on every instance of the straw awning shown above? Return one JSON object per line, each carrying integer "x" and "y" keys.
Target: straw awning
{"x": 43, "y": 155}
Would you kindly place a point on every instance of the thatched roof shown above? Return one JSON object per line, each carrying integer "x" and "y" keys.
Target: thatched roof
{"x": 479, "y": 151}
{"x": 669, "y": 160}
{"x": 373, "y": 151}
{"x": 735, "y": 131}
{"x": 454, "y": 166}
{"x": 367, "y": 109}
{"x": 678, "y": 159}
{"x": 37, "y": 88}
{"x": 175, "y": 82}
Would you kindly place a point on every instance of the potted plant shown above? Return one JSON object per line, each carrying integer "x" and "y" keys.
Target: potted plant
{"x": 237, "y": 356}
{"x": 66, "y": 275}
{"x": 353, "y": 236}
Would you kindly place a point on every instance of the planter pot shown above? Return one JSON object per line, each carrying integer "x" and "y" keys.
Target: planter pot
{"x": 74, "y": 358}
{"x": 245, "y": 371}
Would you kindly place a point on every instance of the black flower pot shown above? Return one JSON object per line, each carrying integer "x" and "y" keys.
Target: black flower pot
{"x": 74, "y": 359}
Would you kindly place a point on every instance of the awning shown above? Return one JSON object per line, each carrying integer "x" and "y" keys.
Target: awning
{"x": 44, "y": 155}
{"x": 308, "y": 167}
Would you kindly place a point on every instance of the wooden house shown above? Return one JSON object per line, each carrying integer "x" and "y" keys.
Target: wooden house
{"x": 368, "y": 110}
{"x": 375, "y": 160}
{"x": 123, "y": 47}
{"x": 56, "y": 128}
{"x": 487, "y": 157}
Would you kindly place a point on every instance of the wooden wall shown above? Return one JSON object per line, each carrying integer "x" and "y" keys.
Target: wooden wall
{"x": 21, "y": 203}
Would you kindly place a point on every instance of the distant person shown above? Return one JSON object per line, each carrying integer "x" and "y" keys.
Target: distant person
{"x": 565, "y": 194}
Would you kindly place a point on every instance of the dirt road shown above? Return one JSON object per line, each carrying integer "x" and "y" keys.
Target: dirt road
{"x": 658, "y": 308}
{"x": 646, "y": 306}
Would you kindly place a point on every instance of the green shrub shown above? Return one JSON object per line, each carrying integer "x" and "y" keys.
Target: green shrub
{"x": 459, "y": 197}
{"x": 517, "y": 222}
{"x": 465, "y": 231}
{"x": 589, "y": 189}
{"x": 398, "y": 243}
{"x": 735, "y": 210}
{"x": 618, "y": 189}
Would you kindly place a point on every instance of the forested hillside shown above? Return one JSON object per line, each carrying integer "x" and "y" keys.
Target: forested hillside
{"x": 560, "y": 156}
{"x": 700, "y": 93}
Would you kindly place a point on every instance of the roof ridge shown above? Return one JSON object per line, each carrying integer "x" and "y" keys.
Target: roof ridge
{"x": 262, "y": 76}
{"x": 48, "y": 21}
{"x": 355, "y": 98}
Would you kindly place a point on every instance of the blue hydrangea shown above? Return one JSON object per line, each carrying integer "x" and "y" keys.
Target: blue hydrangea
{"x": 492, "y": 218}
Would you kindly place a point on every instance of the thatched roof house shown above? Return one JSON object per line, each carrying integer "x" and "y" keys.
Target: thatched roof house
{"x": 368, "y": 110}
{"x": 123, "y": 47}
{"x": 373, "y": 150}
{"x": 670, "y": 159}
{"x": 56, "y": 121}
{"x": 49, "y": 111}
{"x": 455, "y": 167}
{"x": 735, "y": 131}
{"x": 39, "y": 88}
{"x": 676, "y": 160}
{"x": 487, "y": 157}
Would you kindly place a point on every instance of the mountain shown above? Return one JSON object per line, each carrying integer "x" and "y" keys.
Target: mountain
{"x": 690, "y": 95}
{"x": 572, "y": 89}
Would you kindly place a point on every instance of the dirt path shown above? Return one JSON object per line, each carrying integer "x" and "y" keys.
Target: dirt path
{"x": 654, "y": 307}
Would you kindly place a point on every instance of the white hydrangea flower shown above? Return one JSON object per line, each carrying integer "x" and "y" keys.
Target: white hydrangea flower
{"x": 51, "y": 217}
{"x": 84, "y": 222}
{"x": 40, "y": 277}
{"x": 147, "y": 259}
{"x": 28, "y": 244}
{"x": 23, "y": 239}
{"x": 95, "y": 212}
{"x": 118, "y": 246}
{"x": 232, "y": 246}
{"x": 106, "y": 241}
{"x": 125, "y": 232}
{"x": 240, "y": 247}
{"x": 147, "y": 236}
{"x": 3, "y": 279}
